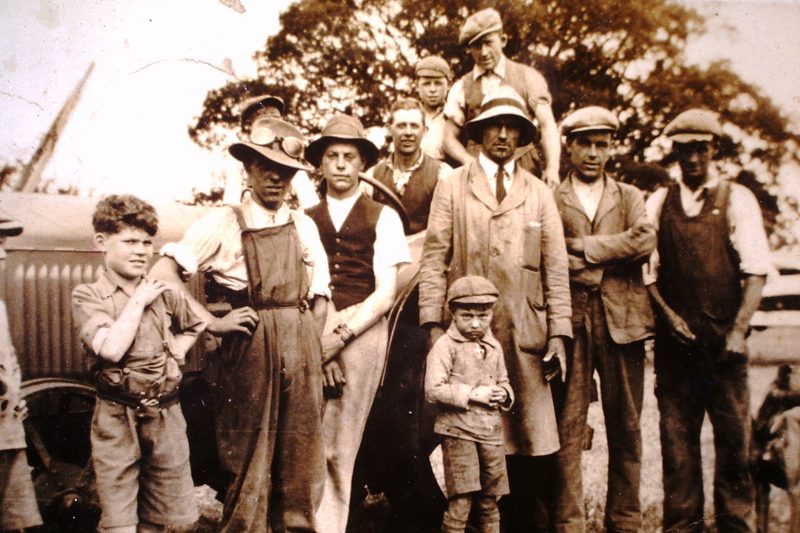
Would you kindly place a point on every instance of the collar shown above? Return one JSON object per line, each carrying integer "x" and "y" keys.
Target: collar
{"x": 257, "y": 210}
{"x": 499, "y": 69}
{"x": 430, "y": 117}
{"x": 415, "y": 166}
{"x": 711, "y": 183}
{"x": 488, "y": 337}
{"x": 576, "y": 183}
{"x": 345, "y": 204}
{"x": 106, "y": 286}
{"x": 490, "y": 167}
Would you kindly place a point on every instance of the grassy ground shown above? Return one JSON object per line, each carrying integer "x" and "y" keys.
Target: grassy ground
{"x": 595, "y": 464}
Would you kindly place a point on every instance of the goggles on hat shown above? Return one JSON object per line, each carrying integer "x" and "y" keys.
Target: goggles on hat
{"x": 291, "y": 146}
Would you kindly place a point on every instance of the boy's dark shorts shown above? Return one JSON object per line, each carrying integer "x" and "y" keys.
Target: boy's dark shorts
{"x": 471, "y": 466}
{"x": 18, "y": 507}
{"x": 142, "y": 467}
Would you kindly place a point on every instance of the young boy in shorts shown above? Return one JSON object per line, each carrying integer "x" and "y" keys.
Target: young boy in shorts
{"x": 18, "y": 507}
{"x": 466, "y": 376}
{"x": 139, "y": 329}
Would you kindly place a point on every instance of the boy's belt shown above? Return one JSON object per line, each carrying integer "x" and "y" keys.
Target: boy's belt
{"x": 137, "y": 401}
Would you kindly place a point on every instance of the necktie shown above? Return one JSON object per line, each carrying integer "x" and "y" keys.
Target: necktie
{"x": 500, "y": 186}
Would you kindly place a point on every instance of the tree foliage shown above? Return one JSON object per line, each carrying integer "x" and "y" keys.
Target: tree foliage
{"x": 358, "y": 55}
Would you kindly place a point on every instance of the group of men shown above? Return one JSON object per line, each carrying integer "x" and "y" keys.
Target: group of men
{"x": 580, "y": 264}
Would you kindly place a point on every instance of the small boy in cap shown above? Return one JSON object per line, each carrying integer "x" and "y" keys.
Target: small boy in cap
{"x": 18, "y": 507}
{"x": 433, "y": 79}
{"x": 466, "y": 375}
{"x": 139, "y": 329}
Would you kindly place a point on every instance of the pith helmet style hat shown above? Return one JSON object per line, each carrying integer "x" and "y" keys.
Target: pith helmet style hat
{"x": 249, "y": 107}
{"x": 694, "y": 125}
{"x": 433, "y": 67}
{"x": 472, "y": 290}
{"x": 9, "y": 227}
{"x": 502, "y": 102}
{"x": 591, "y": 118}
{"x": 343, "y": 128}
{"x": 273, "y": 139}
{"x": 479, "y": 24}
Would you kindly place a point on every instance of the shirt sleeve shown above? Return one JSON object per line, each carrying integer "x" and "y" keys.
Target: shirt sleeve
{"x": 653, "y": 207}
{"x": 538, "y": 91}
{"x": 454, "y": 106}
{"x": 438, "y": 388}
{"x": 202, "y": 240}
{"x": 90, "y": 314}
{"x": 747, "y": 233}
{"x": 314, "y": 256}
{"x": 184, "y": 320}
{"x": 391, "y": 248}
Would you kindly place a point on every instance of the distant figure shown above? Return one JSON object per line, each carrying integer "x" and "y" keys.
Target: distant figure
{"x": 268, "y": 106}
{"x": 433, "y": 79}
{"x": 18, "y": 506}
{"x": 409, "y": 172}
{"x": 482, "y": 34}
{"x": 705, "y": 280}
{"x": 608, "y": 238}
{"x": 466, "y": 376}
{"x": 139, "y": 329}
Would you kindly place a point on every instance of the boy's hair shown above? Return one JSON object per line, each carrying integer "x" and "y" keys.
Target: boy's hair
{"x": 466, "y": 305}
{"x": 114, "y": 212}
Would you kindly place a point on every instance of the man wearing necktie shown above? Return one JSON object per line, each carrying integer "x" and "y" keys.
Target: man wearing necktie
{"x": 494, "y": 219}
{"x": 609, "y": 237}
{"x": 482, "y": 34}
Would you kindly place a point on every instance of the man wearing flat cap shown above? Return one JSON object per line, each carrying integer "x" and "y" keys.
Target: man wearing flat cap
{"x": 366, "y": 246}
{"x": 433, "y": 79}
{"x": 267, "y": 263}
{"x": 268, "y": 106}
{"x": 608, "y": 237}
{"x": 705, "y": 280}
{"x": 482, "y": 33}
{"x": 494, "y": 219}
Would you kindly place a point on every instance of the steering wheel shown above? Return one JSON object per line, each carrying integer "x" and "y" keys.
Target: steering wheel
{"x": 391, "y": 196}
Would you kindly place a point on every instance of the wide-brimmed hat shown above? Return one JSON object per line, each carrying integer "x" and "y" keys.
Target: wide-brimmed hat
{"x": 9, "y": 227}
{"x": 273, "y": 139}
{"x": 433, "y": 67}
{"x": 591, "y": 118}
{"x": 343, "y": 128}
{"x": 694, "y": 125}
{"x": 479, "y": 24}
{"x": 248, "y": 108}
{"x": 472, "y": 290}
{"x": 504, "y": 101}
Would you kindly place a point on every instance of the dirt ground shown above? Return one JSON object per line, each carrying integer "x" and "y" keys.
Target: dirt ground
{"x": 375, "y": 516}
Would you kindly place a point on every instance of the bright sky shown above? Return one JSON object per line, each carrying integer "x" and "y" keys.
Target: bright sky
{"x": 156, "y": 60}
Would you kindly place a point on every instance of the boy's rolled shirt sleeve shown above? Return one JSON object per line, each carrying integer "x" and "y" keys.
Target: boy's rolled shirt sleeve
{"x": 90, "y": 316}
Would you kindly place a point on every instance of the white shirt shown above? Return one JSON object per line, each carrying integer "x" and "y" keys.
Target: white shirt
{"x": 390, "y": 247}
{"x": 745, "y": 226}
{"x": 588, "y": 194}
{"x": 490, "y": 169}
{"x": 213, "y": 244}
{"x": 433, "y": 140}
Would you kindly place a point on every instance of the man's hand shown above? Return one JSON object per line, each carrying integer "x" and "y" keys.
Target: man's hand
{"x": 148, "y": 290}
{"x": 551, "y": 178}
{"x": 434, "y": 333}
{"x": 679, "y": 328}
{"x": 240, "y": 320}
{"x": 735, "y": 344}
{"x": 332, "y": 344}
{"x": 482, "y": 395}
{"x": 575, "y": 246}
{"x": 333, "y": 380}
{"x": 555, "y": 348}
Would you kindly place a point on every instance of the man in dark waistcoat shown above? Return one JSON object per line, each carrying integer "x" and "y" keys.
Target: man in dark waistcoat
{"x": 608, "y": 238}
{"x": 705, "y": 280}
{"x": 365, "y": 245}
{"x": 482, "y": 34}
{"x": 411, "y": 174}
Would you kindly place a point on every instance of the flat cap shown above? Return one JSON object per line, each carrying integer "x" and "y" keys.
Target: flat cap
{"x": 591, "y": 118}
{"x": 479, "y": 24}
{"x": 9, "y": 227}
{"x": 250, "y": 107}
{"x": 694, "y": 125}
{"x": 433, "y": 67}
{"x": 472, "y": 290}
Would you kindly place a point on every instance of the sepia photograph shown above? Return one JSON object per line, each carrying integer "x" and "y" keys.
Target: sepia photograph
{"x": 347, "y": 266}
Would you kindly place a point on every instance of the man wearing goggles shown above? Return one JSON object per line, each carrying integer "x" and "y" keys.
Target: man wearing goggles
{"x": 267, "y": 262}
